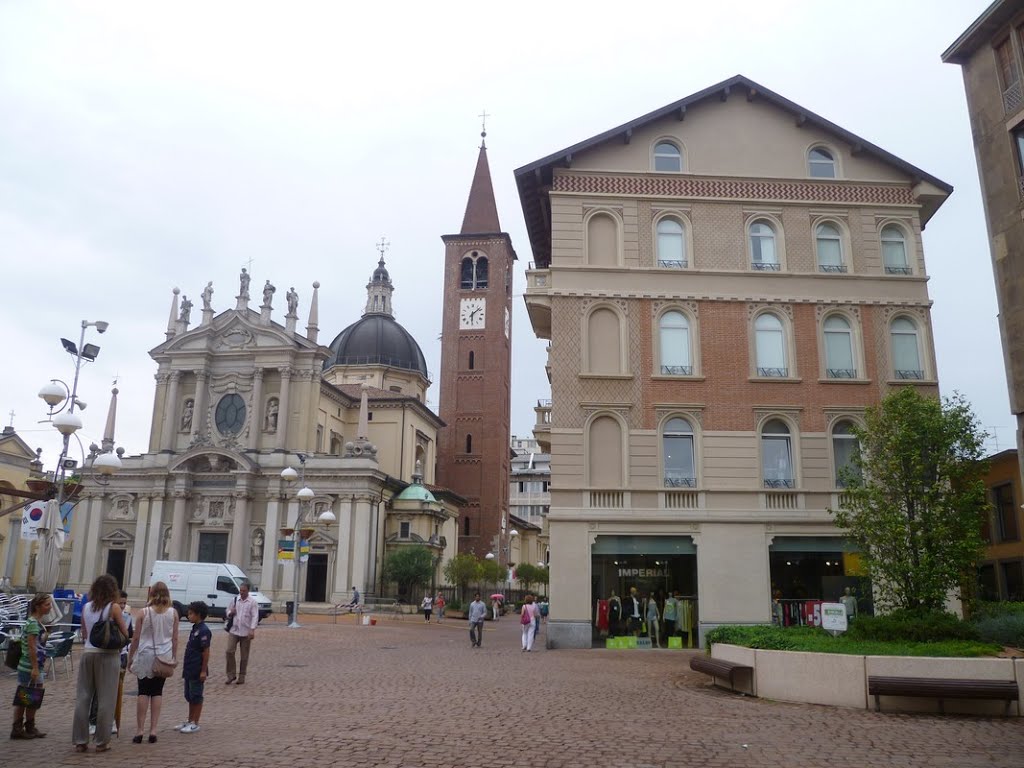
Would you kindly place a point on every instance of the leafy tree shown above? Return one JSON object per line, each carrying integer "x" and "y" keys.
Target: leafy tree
{"x": 529, "y": 574}
{"x": 915, "y": 497}
{"x": 409, "y": 567}
{"x": 461, "y": 570}
{"x": 493, "y": 572}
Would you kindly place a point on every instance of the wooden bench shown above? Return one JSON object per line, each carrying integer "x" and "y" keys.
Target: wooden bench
{"x": 719, "y": 668}
{"x": 942, "y": 688}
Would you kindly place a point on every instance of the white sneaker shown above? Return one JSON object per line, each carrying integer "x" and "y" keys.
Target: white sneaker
{"x": 190, "y": 728}
{"x": 113, "y": 728}
{"x": 92, "y": 730}
{"x": 180, "y": 726}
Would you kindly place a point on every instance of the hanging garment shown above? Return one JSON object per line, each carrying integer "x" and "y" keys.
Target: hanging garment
{"x": 602, "y": 616}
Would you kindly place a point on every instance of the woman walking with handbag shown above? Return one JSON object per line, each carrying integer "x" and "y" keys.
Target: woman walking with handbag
{"x": 100, "y": 665}
{"x": 153, "y": 656}
{"x": 29, "y": 695}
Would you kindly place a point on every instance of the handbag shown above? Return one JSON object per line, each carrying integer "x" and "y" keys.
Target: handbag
{"x": 229, "y": 622}
{"x": 13, "y": 655}
{"x": 526, "y": 616}
{"x": 161, "y": 667}
{"x": 106, "y": 635}
{"x": 29, "y": 696}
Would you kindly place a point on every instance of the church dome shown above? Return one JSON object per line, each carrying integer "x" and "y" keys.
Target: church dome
{"x": 377, "y": 339}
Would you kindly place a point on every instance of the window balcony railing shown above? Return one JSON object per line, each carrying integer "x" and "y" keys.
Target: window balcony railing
{"x": 1012, "y": 98}
{"x": 679, "y": 481}
{"x": 907, "y": 373}
{"x": 842, "y": 373}
{"x": 773, "y": 373}
{"x": 835, "y": 268}
{"x": 672, "y": 263}
{"x": 779, "y": 483}
{"x": 765, "y": 266}
{"x": 677, "y": 370}
{"x": 898, "y": 270}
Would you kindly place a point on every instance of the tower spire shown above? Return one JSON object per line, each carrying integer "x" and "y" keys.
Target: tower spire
{"x": 380, "y": 287}
{"x": 481, "y": 211}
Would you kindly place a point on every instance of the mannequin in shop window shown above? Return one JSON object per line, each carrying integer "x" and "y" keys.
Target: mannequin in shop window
{"x": 614, "y": 614}
{"x": 652, "y": 616}
{"x": 850, "y": 604}
{"x": 633, "y": 612}
{"x": 668, "y": 616}
{"x": 777, "y": 617}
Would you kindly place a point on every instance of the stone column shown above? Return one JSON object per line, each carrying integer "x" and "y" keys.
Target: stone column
{"x": 361, "y": 543}
{"x": 199, "y": 410}
{"x": 91, "y": 568}
{"x": 155, "y": 538}
{"x": 178, "y": 526}
{"x": 313, "y": 410}
{"x": 240, "y": 530}
{"x": 284, "y": 409}
{"x": 273, "y": 533}
{"x": 170, "y": 427}
{"x": 289, "y": 571}
{"x": 343, "y": 508}
{"x": 14, "y": 539}
{"x": 256, "y": 423}
{"x": 136, "y": 574}
{"x": 79, "y": 523}
{"x": 159, "y": 397}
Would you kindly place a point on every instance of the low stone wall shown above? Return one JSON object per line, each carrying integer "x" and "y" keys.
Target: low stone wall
{"x": 841, "y": 680}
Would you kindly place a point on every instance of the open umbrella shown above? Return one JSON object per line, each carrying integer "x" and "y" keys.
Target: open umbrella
{"x": 51, "y": 541}
{"x": 497, "y": 596}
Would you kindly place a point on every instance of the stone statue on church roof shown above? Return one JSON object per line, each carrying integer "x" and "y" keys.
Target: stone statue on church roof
{"x": 243, "y": 280}
{"x": 268, "y": 293}
{"x": 293, "y": 301}
{"x": 207, "y": 296}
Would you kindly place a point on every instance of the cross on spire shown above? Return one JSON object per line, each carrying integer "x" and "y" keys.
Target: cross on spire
{"x": 248, "y": 263}
{"x": 483, "y": 123}
{"x": 12, "y": 419}
{"x": 382, "y": 246}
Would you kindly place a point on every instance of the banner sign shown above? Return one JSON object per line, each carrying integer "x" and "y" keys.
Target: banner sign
{"x": 31, "y": 516}
{"x": 833, "y": 617}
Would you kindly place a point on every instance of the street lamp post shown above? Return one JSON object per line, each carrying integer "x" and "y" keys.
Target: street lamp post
{"x": 305, "y": 495}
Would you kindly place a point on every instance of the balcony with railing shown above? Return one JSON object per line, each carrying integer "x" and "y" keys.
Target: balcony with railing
{"x": 832, "y": 268}
{"x": 672, "y": 263}
{"x": 538, "y": 300}
{"x": 890, "y": 270}
{"x": 677, "y": 370}
{"x": 909, "y": 374}
{"x": 842, "y": 373}
{"x": 542, "y": 427}
{"x": 765, "y": 266}
{"x": 773, "y": 373}
{"x": 1012, "y": 98}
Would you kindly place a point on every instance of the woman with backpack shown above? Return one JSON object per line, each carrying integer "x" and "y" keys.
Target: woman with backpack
{"x": 99, "y": 669}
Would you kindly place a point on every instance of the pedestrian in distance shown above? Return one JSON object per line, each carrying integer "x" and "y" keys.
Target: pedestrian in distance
{"x": 30, "y": 668}
{"x": 99, "y": 669}
{"x": 195, "y": 667}
{"x": 439, "y": 604}
{"x": 477, "y": 614}
{"x": 427, "y": 606}
{"x": 156, "y": 635}
{"x": 527, "y": 618}
{"x": 244, "y": 614}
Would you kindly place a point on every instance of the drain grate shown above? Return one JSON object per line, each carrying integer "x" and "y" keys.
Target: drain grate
{"x": 294, "y": 666}
{"x": 388, "y": 648}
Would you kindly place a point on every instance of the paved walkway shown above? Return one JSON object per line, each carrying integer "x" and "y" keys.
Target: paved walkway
{"x": 405, "y": 694}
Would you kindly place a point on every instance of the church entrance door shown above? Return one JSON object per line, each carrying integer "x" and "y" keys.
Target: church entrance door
{"x": 116, "y": 559}
{"x": 213, "y": 548}
{"x": 316, "y": 579}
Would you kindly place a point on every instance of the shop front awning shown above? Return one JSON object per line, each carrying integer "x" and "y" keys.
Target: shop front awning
{"x": 644, "y": 545}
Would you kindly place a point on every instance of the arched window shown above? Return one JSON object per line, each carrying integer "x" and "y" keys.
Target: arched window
{"x": 469, "y": 443}
{"x": 839, "y": 359}
{"x": 473, "y": 272}
{"x": 763, "y": 255}
{"x": 821, "y": 163}
{"x": 481, "y": 272}
{"x": 603, "y": 342}
{"x": 466, "y": 274}
{"x": 906, "y": 349}
{"x": 776, "y": 455}
{"x": 471, "y": 360}
{"x": 677, "y": 454}
{"x": 671, "y": 245}
{"x": 830, "y": 248}
{"x": 605, "y": 453}
{"x": 674, "y": 344}
{"x": 667, "y": 157}
{"x": 770, "y": 346}
{"x": 465, "y": 526}
{"x": 894, "y": 251}
{"x": 845, "y": 448}
{"x": 602, "y": 240}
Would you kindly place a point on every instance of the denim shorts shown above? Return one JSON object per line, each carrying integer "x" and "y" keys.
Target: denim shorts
{"x": 194, "y": 690}
{"x": 25, "y": 678}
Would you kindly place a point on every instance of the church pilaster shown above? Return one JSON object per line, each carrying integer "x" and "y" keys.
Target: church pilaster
{"x": 170, "y": 425}
{"x": 256, "y": 427}
{"x": 240, "y": 529}
{"x": 199, "y": 411}
{"x": 273, "y": 533}
{"x": 178, "y": 527}
{"x": 154, "y": 542}
{"x": 284, "y": 411}
{"x": 136, "y": 575}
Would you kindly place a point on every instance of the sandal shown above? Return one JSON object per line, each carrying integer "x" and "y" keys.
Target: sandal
{"x": 102, "y": 747}
{"x": 152, "y": 738}
{"x": 137, "y": 739}
{"x": 81, "y": 747}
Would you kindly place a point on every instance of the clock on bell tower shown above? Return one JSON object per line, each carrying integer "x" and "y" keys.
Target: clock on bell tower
{"x": 476, "y": 363}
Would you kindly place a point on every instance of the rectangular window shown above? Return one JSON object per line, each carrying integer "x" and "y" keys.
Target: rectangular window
{"x": 1013, "y": 580}
{"x": 1009, "y": 76}
{"x": 403, "y": 532}
{"x": 988, "y": 588}
{"x": 1006, "y": 512}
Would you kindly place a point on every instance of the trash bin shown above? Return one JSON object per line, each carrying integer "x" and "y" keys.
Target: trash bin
{"x": 289, "y": 608}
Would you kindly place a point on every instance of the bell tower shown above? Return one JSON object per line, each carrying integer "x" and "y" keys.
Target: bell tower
{"x": 476, "y": 361}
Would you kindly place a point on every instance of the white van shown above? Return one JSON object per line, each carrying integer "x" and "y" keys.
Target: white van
{"x": 215, "y": 584}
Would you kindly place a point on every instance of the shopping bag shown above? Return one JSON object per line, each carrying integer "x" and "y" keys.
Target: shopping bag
{"x": 675, "y": 642}
{"x": 28, "y": 696}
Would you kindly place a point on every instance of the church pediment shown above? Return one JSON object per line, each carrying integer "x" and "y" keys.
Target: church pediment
{"x": 233, "y": 331}
{"x": 119, "y": 537}
{"x": 213, "y": 461}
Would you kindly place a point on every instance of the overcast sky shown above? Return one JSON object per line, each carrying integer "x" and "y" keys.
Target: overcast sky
{"x": 145, "y": 146}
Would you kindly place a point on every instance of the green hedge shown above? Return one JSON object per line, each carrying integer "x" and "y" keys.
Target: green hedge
{"x": 989, "y": 610}
{"x": 913, "y": 627}
{"x": 762, "y": 637}
{"x": 1007, "y": 629}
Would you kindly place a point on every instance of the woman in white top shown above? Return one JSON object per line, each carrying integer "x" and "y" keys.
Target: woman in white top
{"x": 156, "y": 634}
{"x": 98, "y": 670}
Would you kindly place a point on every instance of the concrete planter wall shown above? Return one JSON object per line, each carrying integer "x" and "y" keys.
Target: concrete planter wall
{"x": 841, "y": 680}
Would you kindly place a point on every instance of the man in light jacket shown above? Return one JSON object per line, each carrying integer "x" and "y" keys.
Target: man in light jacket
{"x": 246, "y": 611}
{"x": 477, "y": 614}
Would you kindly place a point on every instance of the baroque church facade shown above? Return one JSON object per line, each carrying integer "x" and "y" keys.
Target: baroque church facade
{"x": 239, "y": 397}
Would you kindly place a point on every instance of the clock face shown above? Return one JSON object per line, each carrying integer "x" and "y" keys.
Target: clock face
{"x": 508, "y": 323}
{"x": 471, "y": 313}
